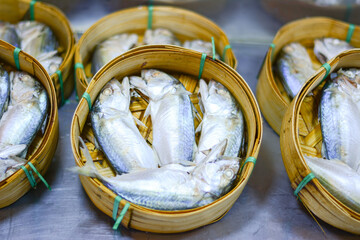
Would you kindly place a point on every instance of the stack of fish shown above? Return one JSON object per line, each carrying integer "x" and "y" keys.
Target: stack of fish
{"x": 35, "y": 39}
{"x": 340, "y": 122}
{"x": 24, "y": 105}
{"x": 295, "y": 67}
{"x": 120, "y": 43}
{"x": 173, "y": 174}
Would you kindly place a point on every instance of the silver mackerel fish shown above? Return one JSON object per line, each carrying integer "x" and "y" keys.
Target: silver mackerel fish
{"x": 4, "y": 90}
{"x": 294, "y": 67}
{"x": 174, "y": 186}
{"x": 222, "y": 119}
{"x": 327, "y": 48}
{"x": 115, "y": 130}
{"x": 171, "y": 115}
{"x": 340, "y": 118}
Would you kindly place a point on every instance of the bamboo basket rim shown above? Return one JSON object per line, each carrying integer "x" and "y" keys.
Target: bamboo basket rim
{"x": 244, "y": 176}
{"x": 79, "y": 58}
{"x": 311, "y": 84}
{"x": 268, "y": 59}
{"x": 52, "y": 112}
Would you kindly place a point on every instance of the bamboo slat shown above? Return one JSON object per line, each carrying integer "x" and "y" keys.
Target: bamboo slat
{"x": 183, "y": 64}
{"x": 42, "y": 149}
{"x": 59, "y": 24}
{"x": 186, "y": 25}
{"x": 294, "y": 145}
{"x": 270, "y": 93}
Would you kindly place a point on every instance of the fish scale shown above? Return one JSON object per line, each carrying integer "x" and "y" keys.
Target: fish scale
{"x": 4, "y": 89}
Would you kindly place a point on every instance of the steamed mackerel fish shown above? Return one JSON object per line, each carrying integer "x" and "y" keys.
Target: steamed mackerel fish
{"x": 111, "y": 48}
{"x": 4, "y": 90}
{"x": 116, "y": 132}
{"x": 294, "y": 67}
{"x": 327, "y": 48}
{"x": 200, "y": 46}
{"x": 39, "y": 41}
{"x": 174, "y": 186}
{"x": 171, "y": 115}
{"x": 22, "y": 120}
{"x": 8, "y": 34}
{"x": 222, "y": 120}
{"x": 338, "y": 178}
{"x": 340, "y": 118}
{"x": 160, "y": 36}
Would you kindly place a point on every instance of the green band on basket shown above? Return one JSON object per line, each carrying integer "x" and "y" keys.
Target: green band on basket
{"x": 32, "y": 10}
{"x": 225, "y": 50}
{"x": 150, "y": 16}
{"x": 116, "y": 206}
{"x": 327, "y": 68}
{"x": 39, "y": 175}
{"x": 202, "y": 63}
{"x": 272, "y": 45}
{"x": 58, "y": 72}
{"x": 350, "y": 32}
{"x": 303, "y": 183}
{"x": 16, "y": 58}
{"x": 121, "y": 216}
{"x": 88, "y": 99}
{"x": 30, "y": 176}
{"x": 249, "y": 159}
{"x": 81, "y": 66}
{"x": 213, "y": 47}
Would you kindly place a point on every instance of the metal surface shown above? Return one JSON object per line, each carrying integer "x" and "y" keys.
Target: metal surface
{"x": 267, "y": 209}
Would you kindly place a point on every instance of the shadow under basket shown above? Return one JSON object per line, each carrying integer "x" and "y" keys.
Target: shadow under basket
{"x": 301, "y": 134}
{"x": 42, "y": 148}
{"x": 59, "y": 24}
{"x": 185, "y": 24}
{"x": 184, "y": 65}
{"x": 270, "y": 93}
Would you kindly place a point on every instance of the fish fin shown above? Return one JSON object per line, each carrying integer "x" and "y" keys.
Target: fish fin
{"x": 139, "y": 83}
{"x": 89, "y": 168}
{"x": 43, "y": 127}
{"x": 195, "y": 112}
{"x": 187, "y": 163}
{"x": 206, "y": 152}
{"x": 147, "y": 111}
{"x": 126, "y": 87}
{"x": 199, "y": 127}
{"x": 12, "y": 150}
{"x": 138, "y": 122}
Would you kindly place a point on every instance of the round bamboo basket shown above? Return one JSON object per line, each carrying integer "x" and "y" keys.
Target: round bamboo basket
{"x": 59, "y": 24}
{"x": 301, "y": 134}
{"x": 42, "y": 149}
{"x": 183, "y": 64}
{"x": 186, "y": 25}
{"x": 271, "y": 95}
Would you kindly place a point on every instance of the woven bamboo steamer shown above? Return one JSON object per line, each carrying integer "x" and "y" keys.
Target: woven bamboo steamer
{"x": 184, "y": 64}
{"x": 186, "y": 25}
{"x": 301, "y": 134}
{"x": 42, "y": 149}
{"x": 270, "y": 93}
{"x": 59, "y": 24}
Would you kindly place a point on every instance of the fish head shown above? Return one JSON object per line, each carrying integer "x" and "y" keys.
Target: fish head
{"x": 218, "y": 100}
{"x": 327, "y": 48}
{"x": 155, "y": 84}
{"x": 115, "y": 96}
{"x": 24, "y": 87}
{"x": 216, "y": 172}
{"x": 160, "y": 36}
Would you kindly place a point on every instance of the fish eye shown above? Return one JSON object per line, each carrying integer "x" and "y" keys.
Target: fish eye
{"x": 229, "y": 174}
{"x": 108, "y": 91}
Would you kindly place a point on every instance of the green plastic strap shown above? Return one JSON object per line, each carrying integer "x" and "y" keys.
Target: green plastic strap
{"x": 303, "y": 183}
{"x": 16, "y": 58}
{"x": 58, "y": 72}
{"x": 272, "y": 45}
{"x": 32, "y": 10}
{"x": 150, "y": 15}
{"x": 40, "y": 176}
{"x": 88, "y": 99}
{"x": 30, "y": 177}
{"x": 350, "y": 32}
{"x": 81, "y": 66}
{"x": 116, "y": 206}
{"x": 121, "y": 216}
{"x": 249, "y": 159}
{"x": 202, "y": 63}
{"x": 213, "y": 47}
{"x": 327, "y": 68}
{"x": 225, "y": 50}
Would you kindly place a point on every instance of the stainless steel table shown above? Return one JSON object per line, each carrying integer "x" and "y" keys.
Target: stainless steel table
{"x": 267, "y": 209}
